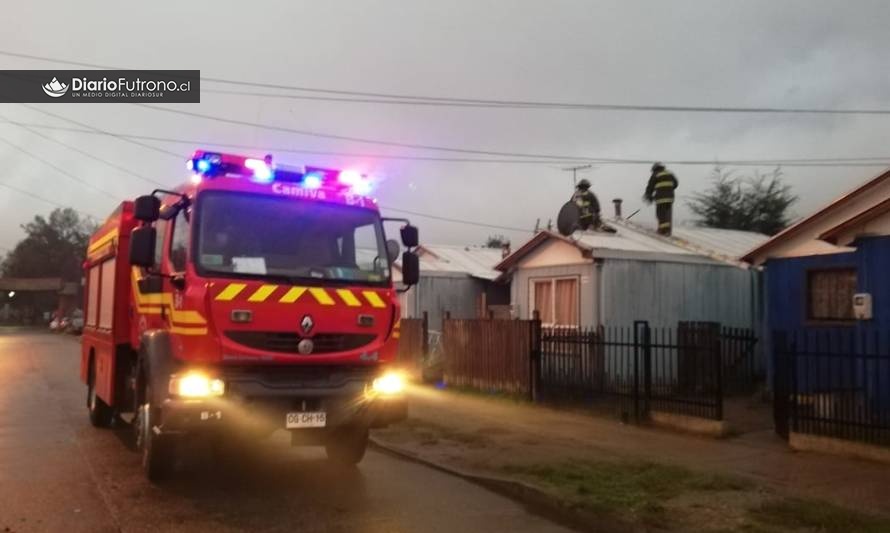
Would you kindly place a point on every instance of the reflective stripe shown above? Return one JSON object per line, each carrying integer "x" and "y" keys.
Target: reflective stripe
{"x": 374, "y": 299}
{"x": 292, "y": 295}
{"x": 664, "y": 225}
{"x": 230, "y": 292}
{"x": 321, "y": 296}
{"x": 348, "y": 298}
{"x": 664, "y": 201}
{"x": 262, "y": 293}
{"x": 662, "y": 184}
{"x": 664, "y": 173}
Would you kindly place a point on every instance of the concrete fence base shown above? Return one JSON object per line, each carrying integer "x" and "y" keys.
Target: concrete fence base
{"x": 690, "y": 424}
{"x": 816, "y": 443}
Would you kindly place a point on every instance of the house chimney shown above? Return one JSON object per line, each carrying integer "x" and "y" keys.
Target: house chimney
{"x": 505, "y": 251}
{"x": 617, "y": 202}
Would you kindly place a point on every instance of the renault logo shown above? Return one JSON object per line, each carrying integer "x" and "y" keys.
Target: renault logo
{"x": 307, "y": 324}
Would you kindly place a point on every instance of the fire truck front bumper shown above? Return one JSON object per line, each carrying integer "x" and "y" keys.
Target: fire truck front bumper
{"x": 261, "y": 402}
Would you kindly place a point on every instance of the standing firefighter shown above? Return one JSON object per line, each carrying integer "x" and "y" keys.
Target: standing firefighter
{"x": 588, "y": 204}
{"x": 661, "y": 191}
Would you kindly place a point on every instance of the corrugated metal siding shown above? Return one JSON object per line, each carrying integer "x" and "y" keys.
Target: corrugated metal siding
{"x": 586, "y": 274}
{"x": 666, "y": 293}
{"x": 436, "y": 295}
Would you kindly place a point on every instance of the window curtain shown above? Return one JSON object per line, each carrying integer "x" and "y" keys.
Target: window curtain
{"x": 544, "y": 300}
{"x": 566, "y": 303}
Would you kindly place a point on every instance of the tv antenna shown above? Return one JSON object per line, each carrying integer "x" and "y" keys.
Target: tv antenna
{"x": 574, "y": 170}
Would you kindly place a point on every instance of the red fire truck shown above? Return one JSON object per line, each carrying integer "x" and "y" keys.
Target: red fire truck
{"x": 256, "y": 297}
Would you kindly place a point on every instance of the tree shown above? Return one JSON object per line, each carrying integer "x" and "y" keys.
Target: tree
{"x": 497, "y": 241}
{"x": 53, "y": 247}
{"x": 751, "y": 203}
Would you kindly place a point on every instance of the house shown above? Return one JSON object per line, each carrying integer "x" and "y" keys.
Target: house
{"x": 813, "y": 269}
{"x": 460, "y": 280}
{"x": 614, "y": 279}
{"x": 27, "y": 300}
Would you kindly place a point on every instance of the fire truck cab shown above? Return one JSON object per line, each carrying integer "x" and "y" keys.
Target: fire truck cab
{"x": 254, "y": 298}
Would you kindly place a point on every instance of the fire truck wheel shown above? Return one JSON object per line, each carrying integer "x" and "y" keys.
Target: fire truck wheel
{"x": 157, "y": 451}
{"x": 347, "y": 446}
{"x": 101, "y": 413}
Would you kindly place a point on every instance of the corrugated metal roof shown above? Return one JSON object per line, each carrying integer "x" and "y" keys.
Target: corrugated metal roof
{"x": 476, "y": 261}
{"x": 629, "y": 239}
{"x": 721, "y": 244}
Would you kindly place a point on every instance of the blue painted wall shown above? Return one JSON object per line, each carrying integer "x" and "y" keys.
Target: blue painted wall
{"x": 785, "y": 287}
{"x": 786, "y": 283}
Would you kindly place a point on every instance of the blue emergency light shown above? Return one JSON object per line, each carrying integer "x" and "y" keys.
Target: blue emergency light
{"x": 211, "y": 165}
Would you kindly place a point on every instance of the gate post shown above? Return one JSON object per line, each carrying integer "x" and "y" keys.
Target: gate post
{"x": 717, "y": 350}
{"x": 646, "y": 355}
{"x": 781, "y": 377}
{"x": 534, "y": 358}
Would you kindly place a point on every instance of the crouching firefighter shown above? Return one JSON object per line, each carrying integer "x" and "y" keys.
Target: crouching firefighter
{"x": 588, "y": 205}
{"x": 660, "y": 190}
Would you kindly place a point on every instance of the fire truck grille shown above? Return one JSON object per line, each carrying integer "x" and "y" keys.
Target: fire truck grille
{"x": 286, "y": 342}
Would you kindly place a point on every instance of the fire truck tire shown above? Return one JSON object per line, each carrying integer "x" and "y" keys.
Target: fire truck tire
{"x": 347, "y": 446}
{"x": 156, "y": 450}
{"x": 101, "y": 413}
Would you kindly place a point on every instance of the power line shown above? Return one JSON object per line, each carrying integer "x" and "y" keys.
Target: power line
{"x": 457, "y": 220}
{"x": 553, "y": 158}
{"x": 57, "y": 168}
{"x": 99, "y": 130}
{"x": 44, "y": 199}
{"x": 89, "y": 155}
{"x": 412, "y": 99}
{"x": 864, "y": 161}
{"x": 435, "y": 217}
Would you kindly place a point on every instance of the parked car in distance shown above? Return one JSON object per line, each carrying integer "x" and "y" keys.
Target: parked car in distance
{"x": 75, "y": 325}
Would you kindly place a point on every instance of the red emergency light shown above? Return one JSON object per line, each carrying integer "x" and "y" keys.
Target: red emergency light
{"x": 213, "y": 164}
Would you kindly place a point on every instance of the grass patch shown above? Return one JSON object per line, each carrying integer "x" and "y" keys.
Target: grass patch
{"x": 792, "y": 514}
{"x": 636, "y": 490}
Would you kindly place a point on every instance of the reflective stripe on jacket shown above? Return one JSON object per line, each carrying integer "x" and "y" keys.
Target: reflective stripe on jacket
{"x": 661, "y": 187}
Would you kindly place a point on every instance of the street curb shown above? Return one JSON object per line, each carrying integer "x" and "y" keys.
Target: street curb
{"x": 533, "y": 499}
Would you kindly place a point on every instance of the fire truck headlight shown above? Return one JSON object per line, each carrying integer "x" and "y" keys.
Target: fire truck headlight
{"x": 196, "y": 385}
{"x": 389, "y": 384}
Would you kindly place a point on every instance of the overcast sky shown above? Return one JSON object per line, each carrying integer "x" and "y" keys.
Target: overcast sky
{"x": 706, "y": 53}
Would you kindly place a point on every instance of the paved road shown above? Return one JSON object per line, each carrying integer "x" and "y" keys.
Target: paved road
{"x": 58, "y": 473}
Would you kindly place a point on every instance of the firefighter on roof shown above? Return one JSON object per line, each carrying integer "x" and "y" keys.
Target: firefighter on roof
{"x": 588, "y": 204}
{"x": 660, "y": 190}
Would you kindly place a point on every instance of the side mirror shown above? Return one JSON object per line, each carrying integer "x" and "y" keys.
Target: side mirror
{"x": 410, "y": 268}
{"x": 410, "y": 236}
{"x": 147, "y": 208}
{"x": 392, "y": 250}
{"x": 142, "y": 246}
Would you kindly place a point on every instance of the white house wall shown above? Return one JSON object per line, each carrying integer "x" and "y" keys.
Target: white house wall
{"x": 519, "y": 290}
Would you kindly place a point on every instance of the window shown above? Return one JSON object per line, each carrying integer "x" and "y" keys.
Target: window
{"x": 93, "y": 297}
{"x": 303, "y": 240}
{"x": 106, "y": 296}
{"x": 830, "y": 294}
{"x": 161, "y": 229}
{"x": 179, "y": 243}
{"x": 557, "y": 301}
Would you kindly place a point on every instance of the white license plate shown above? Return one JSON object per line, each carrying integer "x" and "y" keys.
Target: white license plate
{"x": 306, "y": 420}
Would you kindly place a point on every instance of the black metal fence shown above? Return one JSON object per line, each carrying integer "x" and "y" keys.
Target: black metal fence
{"x": 834, "y": 383}
{"x": 681, "y": 370}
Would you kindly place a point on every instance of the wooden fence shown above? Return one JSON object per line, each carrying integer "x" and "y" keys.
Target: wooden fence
{"x": 488, "y": 355}
{"x": 412, "y": 345}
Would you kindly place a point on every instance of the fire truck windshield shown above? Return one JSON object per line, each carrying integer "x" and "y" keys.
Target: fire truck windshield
{"x": 253, "y": 235}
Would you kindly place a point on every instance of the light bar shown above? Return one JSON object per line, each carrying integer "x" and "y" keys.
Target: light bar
{"x": 211, "y": 165}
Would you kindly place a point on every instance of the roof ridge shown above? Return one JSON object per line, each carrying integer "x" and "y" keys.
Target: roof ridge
{"x": 685, "y": 244}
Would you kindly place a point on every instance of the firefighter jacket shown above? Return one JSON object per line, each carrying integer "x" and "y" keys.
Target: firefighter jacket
{"x": 661, "y": 187}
